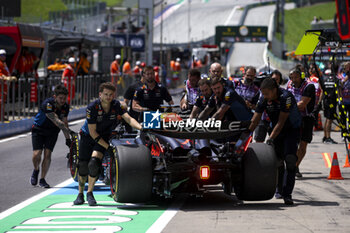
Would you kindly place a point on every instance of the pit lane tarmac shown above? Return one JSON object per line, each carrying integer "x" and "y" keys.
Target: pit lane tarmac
{"x": 53, "y": 210}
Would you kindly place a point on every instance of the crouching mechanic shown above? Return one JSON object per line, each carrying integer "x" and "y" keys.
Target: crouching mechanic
{"x": 228, "y": 104}
{"x": 47, "y": 124}
{"x": 101, "y": 119}
{"x": 281, "y": 107}
{"x": 203, "y": 98}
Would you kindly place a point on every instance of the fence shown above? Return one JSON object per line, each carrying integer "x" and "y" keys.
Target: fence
{"x": 22, "y": 98}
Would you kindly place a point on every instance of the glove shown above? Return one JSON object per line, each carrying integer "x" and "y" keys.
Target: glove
{"x": 68, "y": 142}
{"x": 270, "y": 142}
{"x": 110, "y": 150}
{"x": 145, "y": 130}
{"x": 71, "y": 132}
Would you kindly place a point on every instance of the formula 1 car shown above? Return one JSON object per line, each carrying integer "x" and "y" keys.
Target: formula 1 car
{"x": 171, "y": 160}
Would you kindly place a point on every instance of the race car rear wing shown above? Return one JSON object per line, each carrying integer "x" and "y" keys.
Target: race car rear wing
{"x": 226, "y": 130}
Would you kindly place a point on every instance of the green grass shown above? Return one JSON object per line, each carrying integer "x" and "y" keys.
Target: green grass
{"x": 38, "y": 10}
{"x": 299, "y": 19}
{"x": 113, "y": 2}
{"x": 34, "y": 11}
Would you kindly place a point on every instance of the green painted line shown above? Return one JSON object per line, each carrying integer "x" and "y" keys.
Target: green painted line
{"x": 56, "y": 213}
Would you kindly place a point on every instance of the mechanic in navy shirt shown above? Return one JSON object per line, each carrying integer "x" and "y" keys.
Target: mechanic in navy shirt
{"x": 47, "y": 124}
{"x": 151, "y": 95}
{"x": 102, "y": 116}
{"x": 305, "y": 94}
{"x": 203, "y": 98}
{"x": 228, "y": 104}
{"x": 281, "y": 107}
{"x": 129, "y": 96}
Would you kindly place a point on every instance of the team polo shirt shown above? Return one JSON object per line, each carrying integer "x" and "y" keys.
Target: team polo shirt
{"x": 152, "y": 98}
{"x": 284, "y": 103}
{"x": 41, "y": 122}
{"x": 201, "y": 102}
{"x": 105, "y": 121}
{"x": 231, "y": 98}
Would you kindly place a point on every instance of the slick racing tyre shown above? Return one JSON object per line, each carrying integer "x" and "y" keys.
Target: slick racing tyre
{"x": 131, "y": 174}
{"x": 259, "y": 175}
{"x": 73, "y": 157}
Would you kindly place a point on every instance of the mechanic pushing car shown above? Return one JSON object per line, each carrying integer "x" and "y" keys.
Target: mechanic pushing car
{"x": 151, "y": 95}
{"x": 47, "y": 124}
{"x": 203, "y": 98}
{"x": 228, "y": 104}
{"x": 263, "y": 127}
{"x": 304, "y": 94}
{"x": 191, "y": 90}
{"x": 281, "y": 107}
{"x": 101, "y": 119}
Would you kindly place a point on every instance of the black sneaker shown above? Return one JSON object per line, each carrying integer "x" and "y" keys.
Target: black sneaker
{"x": 278, "y": 195}
{"x": 80, "y": 199}
{"x": 90, "y": 198}
{"x": 43, "y": 184}
{"x": 288, "y": 200}
{"x": 297, "y": 173}
{"x": 324, "y": 139}
{"x": 332, "y": 141}
{"x": 329, "y": 141}
{"x": 34, "y": 177}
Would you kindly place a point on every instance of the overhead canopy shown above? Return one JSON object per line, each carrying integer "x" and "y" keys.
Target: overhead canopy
{"x": 32, "y": 36}
{"x": 59, "y": 39}
{"x": 64, "y": 42}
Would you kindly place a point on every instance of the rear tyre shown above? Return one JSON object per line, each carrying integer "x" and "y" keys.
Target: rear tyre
{"x": 259, "y": 173}
{"x": 131, "y": 174}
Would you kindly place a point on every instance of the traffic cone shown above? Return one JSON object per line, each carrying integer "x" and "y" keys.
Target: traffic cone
{"x": 347, "y": 164}
{"x": 335, "y": 171}
{"x": 319, "y": 126}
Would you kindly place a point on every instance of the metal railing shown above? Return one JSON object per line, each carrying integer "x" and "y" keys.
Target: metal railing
{"x": 22, "y": 98}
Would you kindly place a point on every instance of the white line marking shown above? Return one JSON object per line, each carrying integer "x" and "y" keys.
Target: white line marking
{"x": 165, "y": 218}
{"x": 27, "y": 134}
{"x": 76, "y": 122}
{"x": 34, "y": 199}
{"x": 230, "y": 15}
{"x": 166, "y": 14}
{"x": 14, "y": 137}
{"x": 157, "y": 226}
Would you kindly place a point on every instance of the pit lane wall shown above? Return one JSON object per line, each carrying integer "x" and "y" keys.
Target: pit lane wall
{"x": 24, "y": 125}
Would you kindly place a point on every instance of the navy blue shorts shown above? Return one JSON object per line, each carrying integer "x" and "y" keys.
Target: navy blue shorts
{"x": 88, "y": 145}
{"x": 287, "y": 143}
{"x": 307, "y": 127}
{"x": 41, "y": 140}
